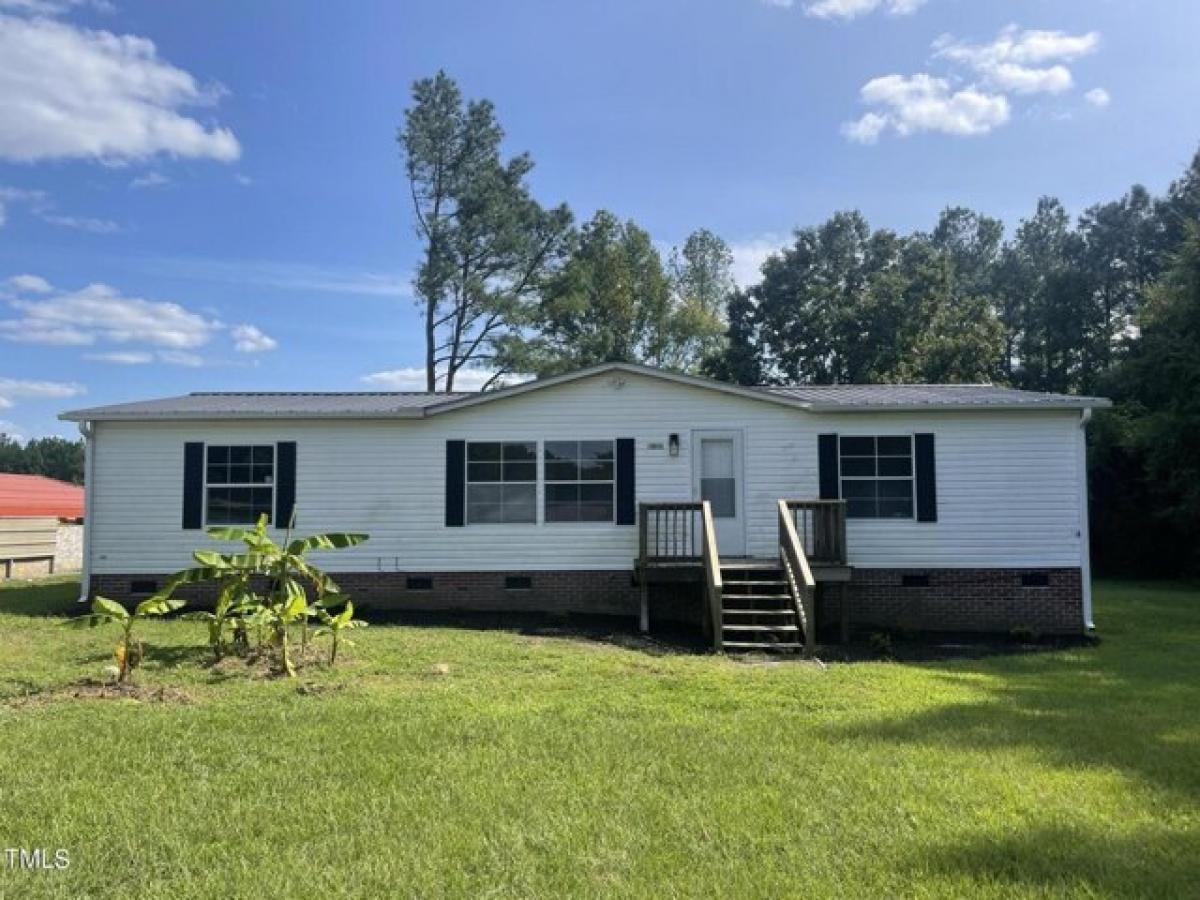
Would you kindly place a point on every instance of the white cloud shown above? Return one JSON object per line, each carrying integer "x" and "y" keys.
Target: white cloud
{"x": 12, "y": 429}
{"x": 1015, "y": 60}
{"x": 122, "y": 357}
{"x": 99, "y": 313}
{"x": 750, "y": 254}
{"x": 922, "y": 102}
{"x": 150, "y": 180}
{"x": 51, "y": 7}
{"x": 976, "y": 99}
{"x": 41, "y": 206}
{"x": 14, "y": 389}
{"x": 852, "y": 9}
{"x": 248, "y": 339}
{"x": 287, "y": 276}
{"x": 1098, "y": 97}
{"x": 413, "y": 379}
{"x": 243, "y": 180}
{"x": 30, "y": 284}
{"x": 73, "y": 93}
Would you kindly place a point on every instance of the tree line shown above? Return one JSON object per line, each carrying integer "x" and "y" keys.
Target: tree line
{"x": 1105, "y": 303}
{"x": 54, "y": 457}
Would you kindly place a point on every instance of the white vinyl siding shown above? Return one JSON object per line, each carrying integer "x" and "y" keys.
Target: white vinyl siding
{"x": 1008, "y": 482}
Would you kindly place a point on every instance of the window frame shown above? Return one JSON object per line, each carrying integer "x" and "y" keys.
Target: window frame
{"x": 467, "y": 482}
{"x": 272, "y": 485}
{"x": 546, "y": 481}
{"x": 911, "y": 478}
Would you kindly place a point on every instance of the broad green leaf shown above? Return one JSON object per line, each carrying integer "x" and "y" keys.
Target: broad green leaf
{"x": 159, "y": 605}
{"x": 102, "y": 606}
{"x": 332, "y": 541}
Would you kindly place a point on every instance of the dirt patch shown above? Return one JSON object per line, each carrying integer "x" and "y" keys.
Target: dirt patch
{"x": 89, "y": 689}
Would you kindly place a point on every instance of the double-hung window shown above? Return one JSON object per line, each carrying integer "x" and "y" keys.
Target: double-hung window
{"x": 580, "y": 480}
{"x": 239, "y": 483}
{"x": 501, "y": 482}
{"x": 877, "y": 476}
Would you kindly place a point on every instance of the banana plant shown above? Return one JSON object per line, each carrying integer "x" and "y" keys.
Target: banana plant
{"x": 333, "y": 626}
{"x": 285, "y": 566}
{"x": 128, "y": 651}
{"x": 234, "y": 600}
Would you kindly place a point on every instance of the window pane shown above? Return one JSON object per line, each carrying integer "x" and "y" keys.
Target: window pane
{"x": 895, "y": 509}
{"x": 716, "y": 458}
{"x": 261, "y": 474}
{"x": 239, "y": 454}
{"x": 483, "y": 471}
{"x": 218, "y": 454}
{"x": 239, "y": 474}
{"x": 596, "y": 493}
{"x": 596, "y": 450}
{"x": 858, "y": 465}
{"x": 858, "y": 490}
{"x": 520, "y": 503}
{"x": 596, "y": 471}
{"x": 218, "y": 474}
{"x": 264, "y": 454}
{"x": 858, "y": 446}
{"x": 893, "y": 465}
{"x": 562, "y": 471}
{"x": 561, "y": 450}
{"x": 523, "y": 471}
{"x": 483, "y": 513}
{"x": 483, "y": 452}
{"x": 892, "y": 490}
{"x": 262, "y": 503}
{"x": 218, "y": 506}
{"x": 522, "y": 452}
{"x": 562, "y": 503}
{"x": 860, "y": 509}
{"x": 720, "y": 493}
{"x": 895, "y": 446}
{"x": 595, "y": 512}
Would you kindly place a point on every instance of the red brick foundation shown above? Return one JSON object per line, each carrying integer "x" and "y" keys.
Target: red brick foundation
{"x": 984, "y": 600}
{"x": 592, "y": 592}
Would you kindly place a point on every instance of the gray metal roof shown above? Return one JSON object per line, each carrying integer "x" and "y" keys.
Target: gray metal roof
{"x": 268, "y": 404}
{"x": 417, "y": 404}
{"x": 926, "y": 396}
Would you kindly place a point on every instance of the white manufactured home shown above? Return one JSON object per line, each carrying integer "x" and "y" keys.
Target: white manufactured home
{"x": 952, "y": 507}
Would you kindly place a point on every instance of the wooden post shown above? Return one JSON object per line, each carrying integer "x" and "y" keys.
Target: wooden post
{"x": 644, "y": 618}
{"x": 844, "y": 604}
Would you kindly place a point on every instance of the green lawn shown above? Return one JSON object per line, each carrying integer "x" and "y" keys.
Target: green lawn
{"x": 542, "y": 766}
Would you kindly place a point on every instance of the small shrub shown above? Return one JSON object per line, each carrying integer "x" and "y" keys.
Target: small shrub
{"x": 880, "y": 643}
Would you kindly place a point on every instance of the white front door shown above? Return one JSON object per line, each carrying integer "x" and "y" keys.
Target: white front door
{"x": 717, "y": 478}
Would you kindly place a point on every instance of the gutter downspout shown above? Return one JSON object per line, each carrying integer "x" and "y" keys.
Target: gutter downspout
{"x": 88, "y": 430}
{"x": 1085, "y": 550}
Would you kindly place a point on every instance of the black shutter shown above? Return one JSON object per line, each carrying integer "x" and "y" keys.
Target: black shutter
{"x": 285, "y": 483}
{"x": 626, "y": 482}
{"x": 456, "y": 473}
{"x": 827, "y": 466}
{"x": 926, "y": 479}
{"x": 193, "y": 485}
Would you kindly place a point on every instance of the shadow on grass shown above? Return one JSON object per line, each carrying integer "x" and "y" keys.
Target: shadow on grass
{"x": 1129, "y": 704}
{"x": 49, "y": 597}
{"x": 619, "y": 631}
{"x": 1143, "y": 864}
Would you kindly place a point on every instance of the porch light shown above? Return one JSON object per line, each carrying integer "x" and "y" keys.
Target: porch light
{"x": 673, "y": 445}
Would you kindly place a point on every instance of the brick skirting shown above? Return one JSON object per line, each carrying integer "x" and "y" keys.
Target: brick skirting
{"x": 591, "y": 592}
{"x": 984, "y": 600}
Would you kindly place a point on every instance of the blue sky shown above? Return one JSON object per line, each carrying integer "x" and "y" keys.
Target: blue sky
{"x": 208, "y": 195}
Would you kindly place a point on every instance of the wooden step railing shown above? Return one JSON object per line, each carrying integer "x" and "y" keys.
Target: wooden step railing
{"x": 669, "y": 533}
{"x": 794, "y": 561}
{"x": 820, "y": 527}
{"x": 713, "y": 585}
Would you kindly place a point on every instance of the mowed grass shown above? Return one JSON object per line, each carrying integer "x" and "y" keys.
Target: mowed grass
{"x": 545, "y": 767}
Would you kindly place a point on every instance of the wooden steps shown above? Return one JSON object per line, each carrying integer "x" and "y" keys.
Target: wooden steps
{"x": 757, "y": 609}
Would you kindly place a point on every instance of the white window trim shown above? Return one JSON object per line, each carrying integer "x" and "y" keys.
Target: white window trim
{"x": 544, "y": 482}
{"x": 911, "y": 479}
{"x": 274, "y": 481}
{"x": 537, "y": 482}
